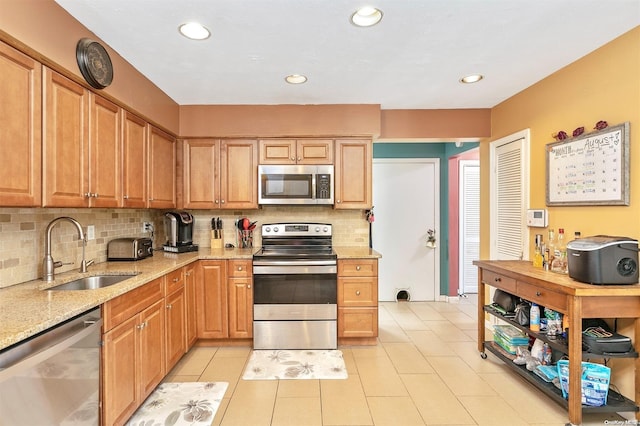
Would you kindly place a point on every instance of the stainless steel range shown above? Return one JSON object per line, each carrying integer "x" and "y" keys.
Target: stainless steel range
{"x": 295, "y": 288}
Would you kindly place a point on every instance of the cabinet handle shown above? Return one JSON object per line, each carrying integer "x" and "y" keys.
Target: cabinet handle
{"x": 126, "y": 197}
{"x": 188, "y": 274}
{"x": 293, "y": 159}
{"x": 357, "y": 292}
{"x": 217, "y": 201}
{"x": 87, "y": 195}
{"x": 299, "y": 158}
{"x": 538, "y": 293}
{"x": 497, "y": 279}
{"x": 249, "y": 286}
{"x": 150, "y": 199}
{"x": 358, "y": 268}
{"x": 338, "y": 201}
{"x": 96, "y": 195}
{"x": 175, "y": 280}
{"x": 169, "y": 306}
{"x": 239, "y": 268}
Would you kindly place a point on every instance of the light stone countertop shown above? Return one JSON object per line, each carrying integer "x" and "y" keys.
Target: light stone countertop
{"x": 29, "y": 308}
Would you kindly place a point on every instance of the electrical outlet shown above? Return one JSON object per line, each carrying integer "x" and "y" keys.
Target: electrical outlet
{"x": 147, "y": 227}
{"x": 91, "y": 232}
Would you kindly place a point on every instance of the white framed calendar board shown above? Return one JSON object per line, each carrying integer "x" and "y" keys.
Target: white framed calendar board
{"x": 591, "y": 169}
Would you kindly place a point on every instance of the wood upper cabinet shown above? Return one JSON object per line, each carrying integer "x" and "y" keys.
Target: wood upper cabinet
{"x": 353, "y": 165}
{"x": 220, "y": 174}
{"x": 105, "y": 154}
{"x": 211, "y": 299}
{"x": 20, "y": 128}
{"x": 239, "y": 174}
{"x": 296, "y": 151}
{"x": 134, "y": 161}
{"x": 162, "y": 170}
{"x": 66, "y": 133}
{"x": 201, "y": 173}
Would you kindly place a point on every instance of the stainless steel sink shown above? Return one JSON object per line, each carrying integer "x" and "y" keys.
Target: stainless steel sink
{"x": 92, "y": 283}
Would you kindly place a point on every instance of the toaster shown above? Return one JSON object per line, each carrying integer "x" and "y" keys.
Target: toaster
{"x": 129, "y": 249}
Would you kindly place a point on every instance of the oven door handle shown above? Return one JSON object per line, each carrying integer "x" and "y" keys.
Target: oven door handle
{"x": 272, "y": 269}
{"x": 294, "y": 263}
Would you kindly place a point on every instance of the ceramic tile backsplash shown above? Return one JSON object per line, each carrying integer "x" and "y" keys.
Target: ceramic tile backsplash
{"x": 349, "y": 226}
{"x": 22, "y": 232}
{"x": 22, "y": 238}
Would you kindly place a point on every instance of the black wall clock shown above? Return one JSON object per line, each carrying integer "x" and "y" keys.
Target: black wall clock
{"x": 94, "y": 63}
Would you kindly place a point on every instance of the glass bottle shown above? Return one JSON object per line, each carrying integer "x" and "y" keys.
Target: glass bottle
{"x": 551, "y": 246}
{"x": 560, "y": 263}
{"x": 538, "y": 258}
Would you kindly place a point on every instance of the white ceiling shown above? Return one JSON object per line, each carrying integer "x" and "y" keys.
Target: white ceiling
{"x": 413, "y": 59}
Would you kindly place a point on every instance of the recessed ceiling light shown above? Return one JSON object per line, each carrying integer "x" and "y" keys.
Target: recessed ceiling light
{"x": 366, "y": 16}
{"x": 473, "y": 78}
{"x": 194, "y": 31}
{"x": 296, "y": 79}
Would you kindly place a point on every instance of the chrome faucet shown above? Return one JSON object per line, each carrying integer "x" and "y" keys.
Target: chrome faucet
{"x": 48, "y": 265}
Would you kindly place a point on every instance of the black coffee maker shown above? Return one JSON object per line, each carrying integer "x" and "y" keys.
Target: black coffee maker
{"x": 178, "y": 228}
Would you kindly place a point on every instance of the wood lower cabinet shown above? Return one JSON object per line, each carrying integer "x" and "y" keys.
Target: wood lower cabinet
{"x": 240, "y": 298}
{"x": 133, "y": 356}
{"x": 20, "y": 128}
{"x": 296, "y": 151}
{"x": 175, "y": 318}
{"x": 211, "y": 299}
{"x": 353, "y": 174}
{"x": 357, "y": 300}
{"x": 225, "y": 299}
{"x": 190, "y": 280}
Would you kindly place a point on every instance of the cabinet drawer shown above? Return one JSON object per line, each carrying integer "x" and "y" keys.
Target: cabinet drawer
{"x": 174, "y": 280}
{"x": 123, "y": 307}
{"x": 355, "y": 291}
{"x": 543, "y": 297}
{"x": 358, "y": 267}
{"x": 499, "y": 281}
{"x": 357, "y": 322}
{"x": 239, "y": 268}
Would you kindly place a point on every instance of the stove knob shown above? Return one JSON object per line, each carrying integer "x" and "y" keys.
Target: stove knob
{"x": 267, "y": 229}
{"x": 275, "y": 229}
{"x": 317, "y": 229}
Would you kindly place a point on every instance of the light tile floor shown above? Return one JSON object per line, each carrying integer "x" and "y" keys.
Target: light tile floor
{"x": 425, "y": 370}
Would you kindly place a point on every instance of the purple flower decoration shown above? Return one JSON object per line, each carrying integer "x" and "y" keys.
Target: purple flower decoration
{"x": 601, "y": 125}
{"x": 561, "y": 135}
{"x": 578, "y": 131}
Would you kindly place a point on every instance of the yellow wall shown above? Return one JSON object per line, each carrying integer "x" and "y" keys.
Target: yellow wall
{"x": 604, "y": 85}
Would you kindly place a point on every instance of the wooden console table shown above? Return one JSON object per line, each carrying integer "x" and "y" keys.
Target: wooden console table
{"x": 565, "y": 295}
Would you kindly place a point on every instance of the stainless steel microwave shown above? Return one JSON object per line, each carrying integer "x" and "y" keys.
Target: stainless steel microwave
{"x": 295, "y": 184}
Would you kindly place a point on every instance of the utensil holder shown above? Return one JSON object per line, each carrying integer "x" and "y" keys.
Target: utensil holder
{"x": 245, "y": 238}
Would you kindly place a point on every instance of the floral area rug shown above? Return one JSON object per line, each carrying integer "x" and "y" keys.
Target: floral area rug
{"x": 295, "y": 364}
{"x": 178, "y": 404}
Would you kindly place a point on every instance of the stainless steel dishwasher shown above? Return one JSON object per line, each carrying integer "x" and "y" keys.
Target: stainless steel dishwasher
{"x": 53, "y": 378}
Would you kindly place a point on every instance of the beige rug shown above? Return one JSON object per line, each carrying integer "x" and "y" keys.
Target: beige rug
{"x": 295, "y": 364}
{"x": 178, "y": 404}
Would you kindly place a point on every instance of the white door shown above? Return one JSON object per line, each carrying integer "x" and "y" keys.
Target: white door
{"x": 509, "y": 158}
{"x": 406, "y": 194}
{"x": 469, "y": 232}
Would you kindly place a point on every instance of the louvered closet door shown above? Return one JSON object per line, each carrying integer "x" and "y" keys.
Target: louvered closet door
{"x": 469, "y": 225}
{"x": 509, "y": 201}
